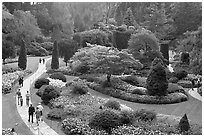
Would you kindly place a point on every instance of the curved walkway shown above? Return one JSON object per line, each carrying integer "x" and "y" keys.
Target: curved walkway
{"x": 43, "y": 128}
{"x": 195, "y": 94}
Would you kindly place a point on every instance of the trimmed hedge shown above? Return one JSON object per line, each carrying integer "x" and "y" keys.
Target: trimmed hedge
{"x": 58, "y": 75}
{"x": 40, "y": 82}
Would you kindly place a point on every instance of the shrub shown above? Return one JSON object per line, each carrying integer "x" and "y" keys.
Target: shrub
{"x": 105, "y": 120}
{"x": 181, "y": 74}
{"x": 79, "y": 87}
{"x": 173, "y": 80}
{"x": 56, "y": 113}
{"x": 184, "y": 124}
{"x": 113, "y": 104}
{"x": 139, "y": 91}
{"x": 127, "y": 117}
{"x": 47, "y": 45}
{"x": 40, "y": 91}
{"x": 22, "y": 60}
{"x": 157, "y": 83}
{"x": 82, "y": 68}
{"x": 55, "y": 57}
{"x": 121, "y": 38}
{"x": 185, "y": 58}
{"x": 131, "y": 80}
{"x": 40, "y": 82}
{"x": 49, "y": 93}
{"x": 185, "y": 84}
{"x": 145, "y": 115}
{"x": 58, "y": 75}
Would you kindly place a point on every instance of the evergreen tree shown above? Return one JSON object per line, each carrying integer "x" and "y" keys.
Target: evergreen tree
{"x": 55, "y": 57}
{"x": 157, "y": 83}
{"x": 129, "y": 18}
{"x": 184, "y": 124}
{"x": 22, "y": 60}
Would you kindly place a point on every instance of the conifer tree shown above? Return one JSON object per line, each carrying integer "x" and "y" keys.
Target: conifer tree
{"x": 184, "y": 124}
{"x": 129, "y": 18}
{"x": 22, "y": 60}
{"x": 55, "y": 57}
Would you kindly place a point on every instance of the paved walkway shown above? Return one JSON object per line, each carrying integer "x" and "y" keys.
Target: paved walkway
{"x": 195, "y": 94}
{"x": 43, "y": 128}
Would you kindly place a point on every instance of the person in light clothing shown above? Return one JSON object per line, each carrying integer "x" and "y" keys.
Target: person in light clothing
{"x": 40, "y": 109}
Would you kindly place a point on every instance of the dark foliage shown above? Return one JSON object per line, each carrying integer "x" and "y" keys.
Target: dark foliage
{"x": 113, "y": 104}
{"x": 49, "y": 93}
{"x": 22, "y": 60}
{"x": 180, "y": 74}
{"x": 185, "y": 58}
{"x": 58, "y": 75}
{"x": 157, "y": 83}
{"x": 184, "y": 124}
{"x": 55, "y": 57}
{"x": 164, "y": 49}
{"x": 56, "y": 113}
{"x": 40, "y": 82}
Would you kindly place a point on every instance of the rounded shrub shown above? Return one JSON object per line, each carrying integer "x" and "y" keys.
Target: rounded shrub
{"x": 127, "y": 117}
{"x": 105, "y": 120}
{"x": 173, "y": 80}
{"x": 40, "y": 82}
{"x": 49, "y": 93}
{"x": 113, "y": 104}
{"x": 181, "y": 74}
{"x": 58, "y": 75}
{"x": 157, "y": 83}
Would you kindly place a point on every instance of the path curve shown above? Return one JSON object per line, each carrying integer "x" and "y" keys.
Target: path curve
{"x": 195, "y": 94}
{"x": 43, "y": 128}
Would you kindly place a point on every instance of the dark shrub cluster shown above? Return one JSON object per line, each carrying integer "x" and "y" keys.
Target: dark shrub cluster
{"x": 113, "y": 104}
{"x": 105, "y": 120}
{"x": 180, "y": 74}
{"x": 185, "y": 58}
{"x": 157, "y": 83}
{"x": 58, "y": 75}
{"x": 49, "y": 93}
{"x": 40, "y": 82}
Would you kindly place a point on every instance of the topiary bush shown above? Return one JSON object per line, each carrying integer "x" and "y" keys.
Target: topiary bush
{"x": 40, "y": 82}
{"x": 105, "y": 120}
{"x": 113, "y": 104}
{"x": 58, "y": 75}
{"x": 49, "y": 93}
{"x": 157, "y": 83}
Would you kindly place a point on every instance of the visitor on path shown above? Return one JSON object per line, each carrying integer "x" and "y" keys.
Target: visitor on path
{"x": 21, "y": 81}
{"x": 38, "y": 115}
{"x": 31, "y": 111}
{"x": 43, "y": 61}
{"x": 21, "y": 100}
{"x": 40, "y": 60}
{"x": 18, "y": 93}
{"x": 27, "y": 98}
{"x": 193, "y": 83}
{"x": 40, "y": 109}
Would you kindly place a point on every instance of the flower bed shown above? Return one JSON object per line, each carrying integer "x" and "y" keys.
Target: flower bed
{"x": 10, "y": 78}
{"x": 169, "y": 99}
{"x": 56, "y": 83}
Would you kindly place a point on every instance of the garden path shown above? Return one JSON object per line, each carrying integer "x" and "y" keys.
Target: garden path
{"x": 43, "y": 128}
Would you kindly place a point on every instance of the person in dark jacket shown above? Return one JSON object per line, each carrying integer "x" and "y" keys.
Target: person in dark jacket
{"x": 31, "y": 111}
{"x": 193, "y": 83}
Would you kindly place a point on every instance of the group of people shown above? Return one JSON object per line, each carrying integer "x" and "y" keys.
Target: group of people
{"x": 196, "y": 82}
{"x": 42, "y": 60}
{"x": 37, "y": 112}
{"x": 31, "y": 110}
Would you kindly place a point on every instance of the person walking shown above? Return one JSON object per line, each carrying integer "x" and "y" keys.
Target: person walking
{"x": 41, "y": 111}
{"x": 18, "y": 93}
{"x": 31, "y": 111}
{"x": 27, "y": 98}
{"x": 21, "y": 100}
{"x": 40, "y": 60}
{"x": 43, "y": 61}
{"x": 37, "y": 114}
{"x": 193, "y": 83}
{"x": 19, "y": 81}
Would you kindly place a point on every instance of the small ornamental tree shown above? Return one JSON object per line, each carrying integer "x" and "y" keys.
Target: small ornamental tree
{"x": 184, "y": 124}
{"x": 157, "y": 83}
{"x": 22, "y": 60}
{"x": 129, "y": 18}
{"x": 55, "y": 57}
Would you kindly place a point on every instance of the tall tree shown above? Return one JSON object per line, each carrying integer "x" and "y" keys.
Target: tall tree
{"x": 55, "y": 56}
{"x": 129, "y": 19}
{"x": 22, "y": 60}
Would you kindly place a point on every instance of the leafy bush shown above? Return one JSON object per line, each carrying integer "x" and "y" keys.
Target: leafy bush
{"x": 173, "y": 80}
{"x": 56, "y": 113}
{"x": 40, "y": 91}
{"x": 59, "y": 76}
{"x": 156, "y": 81}
{"x": 82, "y": 68}
{"x": 131, "y": 80}
{"x": 40, "y": 82}
{"x": 49, "y": 93}
{"x": 105, "y": 120}
{"x": 139, "y": 91}
{"x": 79, "y": 87}
{"x": 113, "y": 104}
{"x": 172, "y": 88}
{"x": 127, "y": 117}
{"x": 47, "y": 45}
{"x": 145, "y": 115}
{"x": 121, "y": 38}
{"x": 180, "y": 74}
